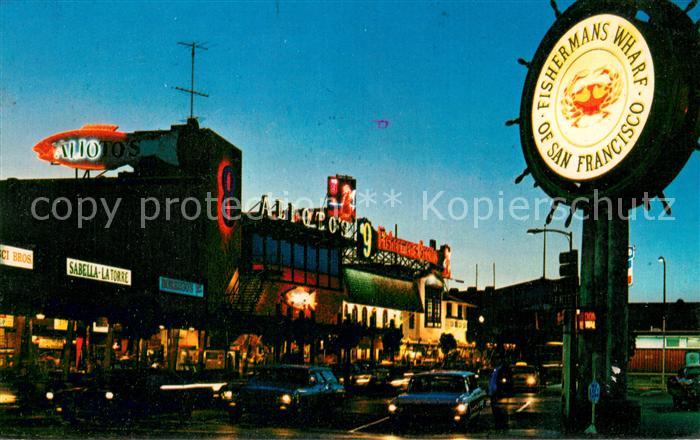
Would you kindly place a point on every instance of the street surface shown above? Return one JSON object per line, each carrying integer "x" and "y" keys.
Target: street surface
{"x": 530, "y": 416}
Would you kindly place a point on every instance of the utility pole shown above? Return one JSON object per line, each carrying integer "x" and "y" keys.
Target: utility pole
{"x": 662, "y": 260}
{"x": 193, "y": 46}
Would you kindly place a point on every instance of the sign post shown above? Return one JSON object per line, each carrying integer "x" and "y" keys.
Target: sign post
{"x": 593, "y": 396}
{"x": 601, "y": 104}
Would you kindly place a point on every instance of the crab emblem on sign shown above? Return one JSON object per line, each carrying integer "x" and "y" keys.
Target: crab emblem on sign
{"x": 589, "y": 94}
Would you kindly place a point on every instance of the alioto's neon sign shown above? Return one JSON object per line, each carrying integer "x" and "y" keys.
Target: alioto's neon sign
{"x": 92, "y": 147}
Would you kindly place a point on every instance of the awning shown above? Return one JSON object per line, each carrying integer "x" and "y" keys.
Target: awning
{"x": 380, "y": 291}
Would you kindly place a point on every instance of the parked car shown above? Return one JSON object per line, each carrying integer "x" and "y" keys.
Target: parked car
{"x": 685, "y": 387}
{"x": 438, "y": 396}
{"x": 123, "y": 394}
{"x": 292, "y": 390}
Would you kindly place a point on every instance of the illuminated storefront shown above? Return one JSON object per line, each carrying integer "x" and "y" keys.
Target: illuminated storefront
{"x": 121, "y": 269}
{"x": 288, "y": 296}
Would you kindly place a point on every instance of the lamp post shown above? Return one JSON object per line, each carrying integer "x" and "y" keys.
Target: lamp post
{"x": 568, "y": 333}
{"x": 662, "y": 260}
{"x": 544, "y": 230}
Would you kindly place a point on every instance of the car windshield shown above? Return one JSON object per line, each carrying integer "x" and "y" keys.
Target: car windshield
{"x": 437, "y": 384}
{"x": 523, "y": 370}
{"x": 282, "y": 375}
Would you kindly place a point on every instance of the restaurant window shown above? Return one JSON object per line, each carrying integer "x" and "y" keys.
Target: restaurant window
{"x": 364, "y": 316}
{"x": 345, "y": 312}
{"x": 271, "y": 251}
{"x": 285, "y": 253}
{"x": 459, "y": 311}
{"x": 433, "y": 303}
{"x": 258, "y": 253}
{"x": 354, "y": 314}
{"x": 335, "y": 262}
{"x": 373, "y": 318}
{"x": 449, "y": 310}
{"x": 298, "y": 256}
{"x": 385, "y": 318}
{"x": 323, "y": 260}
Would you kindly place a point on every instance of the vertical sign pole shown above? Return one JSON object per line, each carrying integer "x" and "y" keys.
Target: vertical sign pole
{"x": 591, "y": 429}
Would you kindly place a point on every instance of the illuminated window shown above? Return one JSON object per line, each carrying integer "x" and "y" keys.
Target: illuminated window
{"x": 364, "y": 316}
{"x": 385, "y": 318}
{"x": 449, "y": 310}
{"x": 354, "y": 314}
{"x": 433, "y": 303}
{"x": 373, "y": 318}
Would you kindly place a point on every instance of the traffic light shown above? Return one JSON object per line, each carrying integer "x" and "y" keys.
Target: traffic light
{"x": 568, "y": 264}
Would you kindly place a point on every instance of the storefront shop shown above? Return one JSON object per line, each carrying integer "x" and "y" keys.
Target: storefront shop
{"x": 379, "y": 304}
{"x": 288, "y": 297}
{"x": 129, "y": 269}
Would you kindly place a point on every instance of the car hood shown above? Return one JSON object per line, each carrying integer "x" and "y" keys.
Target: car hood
{"x": 429, "y": 398}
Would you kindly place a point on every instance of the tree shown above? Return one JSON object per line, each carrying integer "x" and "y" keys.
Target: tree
{"x": 447, "y": 343}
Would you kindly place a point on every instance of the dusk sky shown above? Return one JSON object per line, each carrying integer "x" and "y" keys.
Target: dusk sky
{"x": 298, "y": 88}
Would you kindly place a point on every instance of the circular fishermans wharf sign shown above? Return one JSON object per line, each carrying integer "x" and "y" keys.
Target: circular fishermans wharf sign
{"x": 593, "y": 97}
{"x": 610, "y": 101}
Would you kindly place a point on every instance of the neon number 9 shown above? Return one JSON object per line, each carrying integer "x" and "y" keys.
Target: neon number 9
{"x": 366, "y": 231}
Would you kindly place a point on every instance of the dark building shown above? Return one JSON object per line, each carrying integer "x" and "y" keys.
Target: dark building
{"x": 523, "y": 319}
{"x": 145, "y": 262}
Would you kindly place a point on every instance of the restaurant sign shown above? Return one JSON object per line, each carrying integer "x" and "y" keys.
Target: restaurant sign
{"x": 181, "y": 287}
{"x": 97, "y": 272}
{"x": 310, "y": 218}
{"x": 371, "y": 241}
{"x": 16, "y": 257}
{"x": 610, "y": 102}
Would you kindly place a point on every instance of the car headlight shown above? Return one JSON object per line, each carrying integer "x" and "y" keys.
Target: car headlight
{"x": 461, "y": 408}
{"x": 531, "y": 380}
{"x": 392, "y": 408}
{"x": 228, "y": 395}
{"x": 49, "y": 395}
{"x": 286, "y": 399}
{"x": 363, "y": 380}
{"x": 109, "y": 395}
{"x": 503, "y": 380}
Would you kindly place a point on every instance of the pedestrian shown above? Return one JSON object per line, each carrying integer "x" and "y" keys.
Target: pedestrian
{"x": 497, "y": 393}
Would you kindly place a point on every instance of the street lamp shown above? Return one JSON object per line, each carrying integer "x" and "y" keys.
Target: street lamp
{"x": 481, "y": 319}
{"x": 662, "y": 260}
{"x": 569, "y": 332}
{"x": 544, "y": 230}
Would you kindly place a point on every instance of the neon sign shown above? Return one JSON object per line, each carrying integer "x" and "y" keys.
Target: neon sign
{"x": 227, "y": 205}
{"x": 301, "y": 299}
{"x": 92, "y": 147}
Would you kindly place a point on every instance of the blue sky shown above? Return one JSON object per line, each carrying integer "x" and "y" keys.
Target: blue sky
{"x": 297, "y": 87}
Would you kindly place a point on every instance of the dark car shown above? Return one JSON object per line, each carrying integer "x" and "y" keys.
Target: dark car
{"x": 373, "y": 380}
{"x": 685, "y": 387}
{"x": 123, "y": 394}
{"x": 438, "y": 396}
{"x": 523, "y": 377}
{"x": 291, "y": 390}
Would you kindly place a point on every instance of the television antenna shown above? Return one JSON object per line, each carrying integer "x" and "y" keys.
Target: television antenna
{"x": 193, "y": 46}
